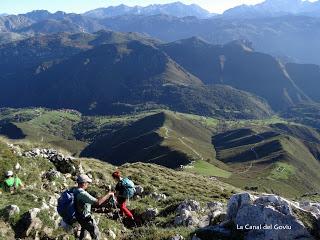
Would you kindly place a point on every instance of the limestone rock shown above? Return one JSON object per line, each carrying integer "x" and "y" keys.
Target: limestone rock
{"x": 213, "y": 232}
{"x": 64, "y": 164}
{"x": 111, "y": 234}
{"x": 271, "y": 211}
{"x": 139, "y": 190}
{"x": 177, "y": 237}
{"x": 313, "y": 208}
{"x": 51, "y": 175}
{"x": 216, "y": 212}
{"x": 187, "y": 214}
{"x": 158, "y": 196}
{"x": 29, "y": 223}
{"x": 190, "y": 205}
{"x": 150, "y": 214}
{"x": 11, "y": 210}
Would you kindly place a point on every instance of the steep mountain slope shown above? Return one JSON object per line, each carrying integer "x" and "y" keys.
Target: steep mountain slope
{"x": 167, "y": 139}
{"x": 307, "y": 77}
{"x": 31, "y": 52}
{"x": 14, "y": 22}
{"x": 6, "y": 37}
{"x": 31, "y": 63}
{"x": 94, "y": 81}
{"x": 142, "y": 141}
{"x": 236, "y": 64}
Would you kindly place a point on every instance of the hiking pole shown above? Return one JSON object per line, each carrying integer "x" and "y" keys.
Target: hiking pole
{"x": 114, "y": 201}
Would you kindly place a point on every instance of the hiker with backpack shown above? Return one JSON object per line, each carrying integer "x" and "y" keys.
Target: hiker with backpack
{"x": 11, "y": 183}
{"x": 75, "y": 204}
{"x": 125, "y": 190}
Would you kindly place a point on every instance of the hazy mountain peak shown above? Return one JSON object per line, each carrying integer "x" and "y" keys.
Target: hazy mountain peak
{"x": 177, "y": 9}
{"x": 38, "y": 15}
{"x": 273, "y": 8}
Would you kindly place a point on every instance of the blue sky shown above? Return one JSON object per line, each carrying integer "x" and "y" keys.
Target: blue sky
{"x": 79, "y": 6}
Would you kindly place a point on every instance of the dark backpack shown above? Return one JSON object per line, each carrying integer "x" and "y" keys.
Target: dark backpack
{"x": 66, "y": 207}
{"x": 128, "y": 188}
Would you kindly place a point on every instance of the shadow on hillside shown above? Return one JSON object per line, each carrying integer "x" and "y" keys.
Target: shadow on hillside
{"x": 11, "y": 131}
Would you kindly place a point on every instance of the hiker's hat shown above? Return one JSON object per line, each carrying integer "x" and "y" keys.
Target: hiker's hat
{"x": 9, "y": 173}
{"x": 83, "y": 178}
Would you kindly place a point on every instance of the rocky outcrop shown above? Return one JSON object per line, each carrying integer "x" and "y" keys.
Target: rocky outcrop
{"x": 311, "y": 207}
{"x": 51, "y": 174}
{"x": 190, "y": 214}
{"x": 10, "y": 211}
{"x": 64, "y": 164}
{"x": 158, "y": 196}
{"x": 111, "y": 234}
{"x": 150, "y": 214}
{"x": 29, "y": 224}
{"x": 177, "y": 237}
{"x": 187, "y": 214}
{"x": 265, "y": 217}
{"x": 139, "y": 190}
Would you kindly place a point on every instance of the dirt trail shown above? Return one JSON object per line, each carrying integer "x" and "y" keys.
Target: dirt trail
{"x": 167, "y": 130}
{"x": 255, "y": 153}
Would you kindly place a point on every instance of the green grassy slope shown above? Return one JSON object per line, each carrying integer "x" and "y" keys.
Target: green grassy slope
{"x": 177, "y": 185}
{"x": 272, "y": 155}
{"x": 64, "y": 129}
{"x": 274, "y": 160}
{"x": 164, "y": 138}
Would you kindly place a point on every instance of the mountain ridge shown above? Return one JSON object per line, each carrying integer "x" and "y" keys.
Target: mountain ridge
{"x": 177, "y": 9}
{"x": 272, "y": 8}
{"x": 87, "y": 75}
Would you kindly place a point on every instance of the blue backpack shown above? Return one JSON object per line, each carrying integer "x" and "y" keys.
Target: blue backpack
{"x": 128, "y": 188}
{"x": 66, "y": 207}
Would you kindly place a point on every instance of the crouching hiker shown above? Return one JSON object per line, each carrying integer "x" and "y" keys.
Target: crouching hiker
{"x": 75, "y": 204}
{"x": 125, "y": 190}
{"x": 11, "y": 182}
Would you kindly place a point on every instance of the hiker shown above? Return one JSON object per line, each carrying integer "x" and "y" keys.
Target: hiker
{"x": 124, "y": 190}
{"x": 83, "y": 203}
{"x": 11, "y": 183}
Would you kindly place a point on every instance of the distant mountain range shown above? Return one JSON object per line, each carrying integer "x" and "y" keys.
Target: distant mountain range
{"x": 177, "y": 9}
{"x": 281, "y": 36}
{"x": 284, "y": 36}
{"x": 272, "y": 8}
{"x": 67, "y": 60}
{"x": 109, "y": 72}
